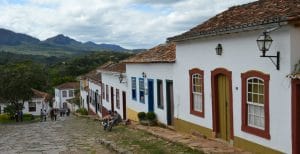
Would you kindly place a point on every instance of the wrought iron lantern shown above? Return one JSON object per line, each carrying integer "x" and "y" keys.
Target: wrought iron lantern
{"x": 219, "y": 49}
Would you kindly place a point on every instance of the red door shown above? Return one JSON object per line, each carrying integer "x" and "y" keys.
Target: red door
{"x": 296, "y": 116}
{"x": 112, "y": 98}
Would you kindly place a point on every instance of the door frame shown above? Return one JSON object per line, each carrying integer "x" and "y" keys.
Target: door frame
{"x": 214, "y": 88}
{"x": 148, "y": 83}
{"x": 295, "y": 83}
{"x": 124, "y": 104}
{"x": 169, "y": 103}
{"x": 112, "y": 99}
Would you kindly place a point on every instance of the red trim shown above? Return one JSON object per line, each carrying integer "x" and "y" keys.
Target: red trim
{"x": 252, "y": 130}
{"x": 191, "y": 73}
{"x": 295, "y": 111}
{"x": 214, "y": 86}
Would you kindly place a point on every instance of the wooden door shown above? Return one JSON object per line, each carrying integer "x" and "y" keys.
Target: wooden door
{"x": 112, "y": 99}
{"x": 296, "y": 116}
{"x": 124, "y": 104}
{"x": 223, "y": 108}
{"x": 150, "y": 96}
{"x": 170, "y": 102}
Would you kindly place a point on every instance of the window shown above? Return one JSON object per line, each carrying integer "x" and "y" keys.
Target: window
{"x": 32, "y": 106}
{"x": 255, "y": 103}
{"x": 133, "y": 88}
{"x": 103, "y": 91}
{"x": 71, "y": 93}
{"x": 160, "y": 96}
{"x": 64, "y": 93}
{"x": 118, "y": 98}
{"x": 196, "y": 92}
{"x": 142, "y": 90}
{"x": 107, "y": 94}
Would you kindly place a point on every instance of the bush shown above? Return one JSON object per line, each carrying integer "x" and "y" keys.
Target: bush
{"x": 82, "y": 111}
{"x": 151, "y": 116}
{"x": 142, "y": 116}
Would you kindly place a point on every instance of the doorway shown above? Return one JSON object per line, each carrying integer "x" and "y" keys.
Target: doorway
{"x": 222, "y": 104}
{"x": 150, "y": 96}
{"x": 112, "y": 99}
{"x": 124, "y": 104}
{"x": 295, "y": 116}
{"x": 170, "y": 102}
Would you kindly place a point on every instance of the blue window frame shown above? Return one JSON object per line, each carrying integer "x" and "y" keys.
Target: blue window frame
{"x": 133, "y": 88}
{"x": 142, "y": 90}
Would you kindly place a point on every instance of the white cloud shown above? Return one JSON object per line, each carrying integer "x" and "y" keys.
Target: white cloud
{"x": 129, "y": 23}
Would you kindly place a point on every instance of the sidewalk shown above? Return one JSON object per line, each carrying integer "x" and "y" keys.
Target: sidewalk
{"x": 192, "y": 141}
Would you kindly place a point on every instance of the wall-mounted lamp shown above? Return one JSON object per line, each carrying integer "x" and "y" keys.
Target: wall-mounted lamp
{"x": 219, "y": 49}
{"x": 121, "y": 77}
{"x": 264, "y": 42}
{"x": 144, "y": 75}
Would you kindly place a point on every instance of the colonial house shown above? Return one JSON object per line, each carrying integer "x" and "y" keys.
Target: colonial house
{"x": 94, "y": 91}
{"x": 63, "y": 93}
{"x": 40, "y": 100}
{"x": 234, "y": 77}
{"x": 150, "y": 82}
{"x": 84, "y": 89}
{"x": 114, "y": 88}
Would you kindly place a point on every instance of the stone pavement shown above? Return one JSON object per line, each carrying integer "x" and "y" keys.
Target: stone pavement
{"x": 192, "y": 141}
{"x": 67, "y": 135}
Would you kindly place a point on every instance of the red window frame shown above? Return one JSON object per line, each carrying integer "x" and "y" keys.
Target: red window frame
{"x": 245, "y": 127}
{"x": 191, "y": 73}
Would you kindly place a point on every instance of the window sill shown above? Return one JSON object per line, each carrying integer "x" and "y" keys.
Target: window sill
{"x": 198, "y": 114}
{"x": 256, "y": 131}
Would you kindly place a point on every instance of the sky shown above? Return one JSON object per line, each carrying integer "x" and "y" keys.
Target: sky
{"x": 130, "y": 23}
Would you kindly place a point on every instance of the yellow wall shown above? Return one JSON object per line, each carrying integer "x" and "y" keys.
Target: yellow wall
{"x": 253, "y": 147}
{"x": 132, "y": 115}
{"x": 187, "y": 127}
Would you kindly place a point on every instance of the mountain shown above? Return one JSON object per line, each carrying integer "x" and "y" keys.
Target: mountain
{"x": 54, "y": 46}
{"x": 8, "y": 37}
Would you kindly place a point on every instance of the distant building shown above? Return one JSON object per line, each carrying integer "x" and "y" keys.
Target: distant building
{"x": 64, "y": 92}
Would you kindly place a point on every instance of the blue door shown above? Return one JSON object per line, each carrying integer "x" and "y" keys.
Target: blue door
{"x": 150, "y": 96}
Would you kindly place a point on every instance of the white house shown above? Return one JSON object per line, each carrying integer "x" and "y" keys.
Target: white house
{"x": 150, "y": 82}
{"x": 40, "y": 100}
{"x": 224, "y": 87}
{"x": 94, "y": 91}
{"x": 114, "y": 88}
{"x": 64, "y": 92}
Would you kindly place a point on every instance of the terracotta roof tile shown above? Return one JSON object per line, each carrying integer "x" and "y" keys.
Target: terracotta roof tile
{"x": 68, "y": 85}
{"x": 164, "y": 53}
{"x": 243, "y": 17}
{"x": 40, "y": 94}
{"x": 113, "y": 67}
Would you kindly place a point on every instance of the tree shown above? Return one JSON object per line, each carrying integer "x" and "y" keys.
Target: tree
{"x": 17, "y": 80}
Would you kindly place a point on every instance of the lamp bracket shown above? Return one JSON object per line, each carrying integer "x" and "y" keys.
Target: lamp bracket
{"x": 277, "y": 63}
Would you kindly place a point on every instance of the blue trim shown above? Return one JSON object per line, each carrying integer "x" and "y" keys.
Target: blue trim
{"x": 150, "y": 93}
{"x": 141, "y": 79}
{"x": 133, "y": 89}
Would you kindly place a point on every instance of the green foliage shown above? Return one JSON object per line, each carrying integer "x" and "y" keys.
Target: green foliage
{"x": 82, "y": 111}
{"x": 11, "y": 109}
{"x": 142, "y": 116}
{"x": 151, "y": 116}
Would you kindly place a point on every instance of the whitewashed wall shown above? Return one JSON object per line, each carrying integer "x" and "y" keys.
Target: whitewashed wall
{"x": 94, "y": 87}
{"x": 112, "y": 80}
{"x": 40, "y": 104}
{"x": 59, "y": 99}
{"x": 240, "y": 54}
{"x": 162, "y": 71}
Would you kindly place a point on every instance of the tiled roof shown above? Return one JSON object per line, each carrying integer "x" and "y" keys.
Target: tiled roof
{"x": 93, "y": 75}
{"x": 164, "y": 53}
{"x": 40, "y": 94}
{"x": 245, "y": 17}
{"x": 113, "y": 67}
{"x": 68, "y": 85}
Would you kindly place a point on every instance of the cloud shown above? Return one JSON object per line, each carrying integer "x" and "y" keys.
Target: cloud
{"x": 129, "y": 23}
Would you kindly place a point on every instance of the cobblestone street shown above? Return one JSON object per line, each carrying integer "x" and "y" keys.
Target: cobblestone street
{"x": 67, "y": 135}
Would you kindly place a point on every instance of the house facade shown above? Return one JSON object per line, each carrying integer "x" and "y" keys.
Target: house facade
{"x": 114, "y": 88}
{"x": 150, "y": 83}
{"x": 238, "y": 95}
{"x": 63, "y": 93}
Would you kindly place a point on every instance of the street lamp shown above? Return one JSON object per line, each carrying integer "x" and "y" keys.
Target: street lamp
{"x": 264, "y": 42}
{"x": 219, "y": 49}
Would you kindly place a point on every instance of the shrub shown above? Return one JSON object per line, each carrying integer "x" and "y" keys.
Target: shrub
{"x": 142, "y": 116}
{"x": 151, "y": 116}
{"x": 82, "y": 111}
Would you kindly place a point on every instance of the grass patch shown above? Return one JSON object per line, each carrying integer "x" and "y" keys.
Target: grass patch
{"x": 5, "y": 119}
